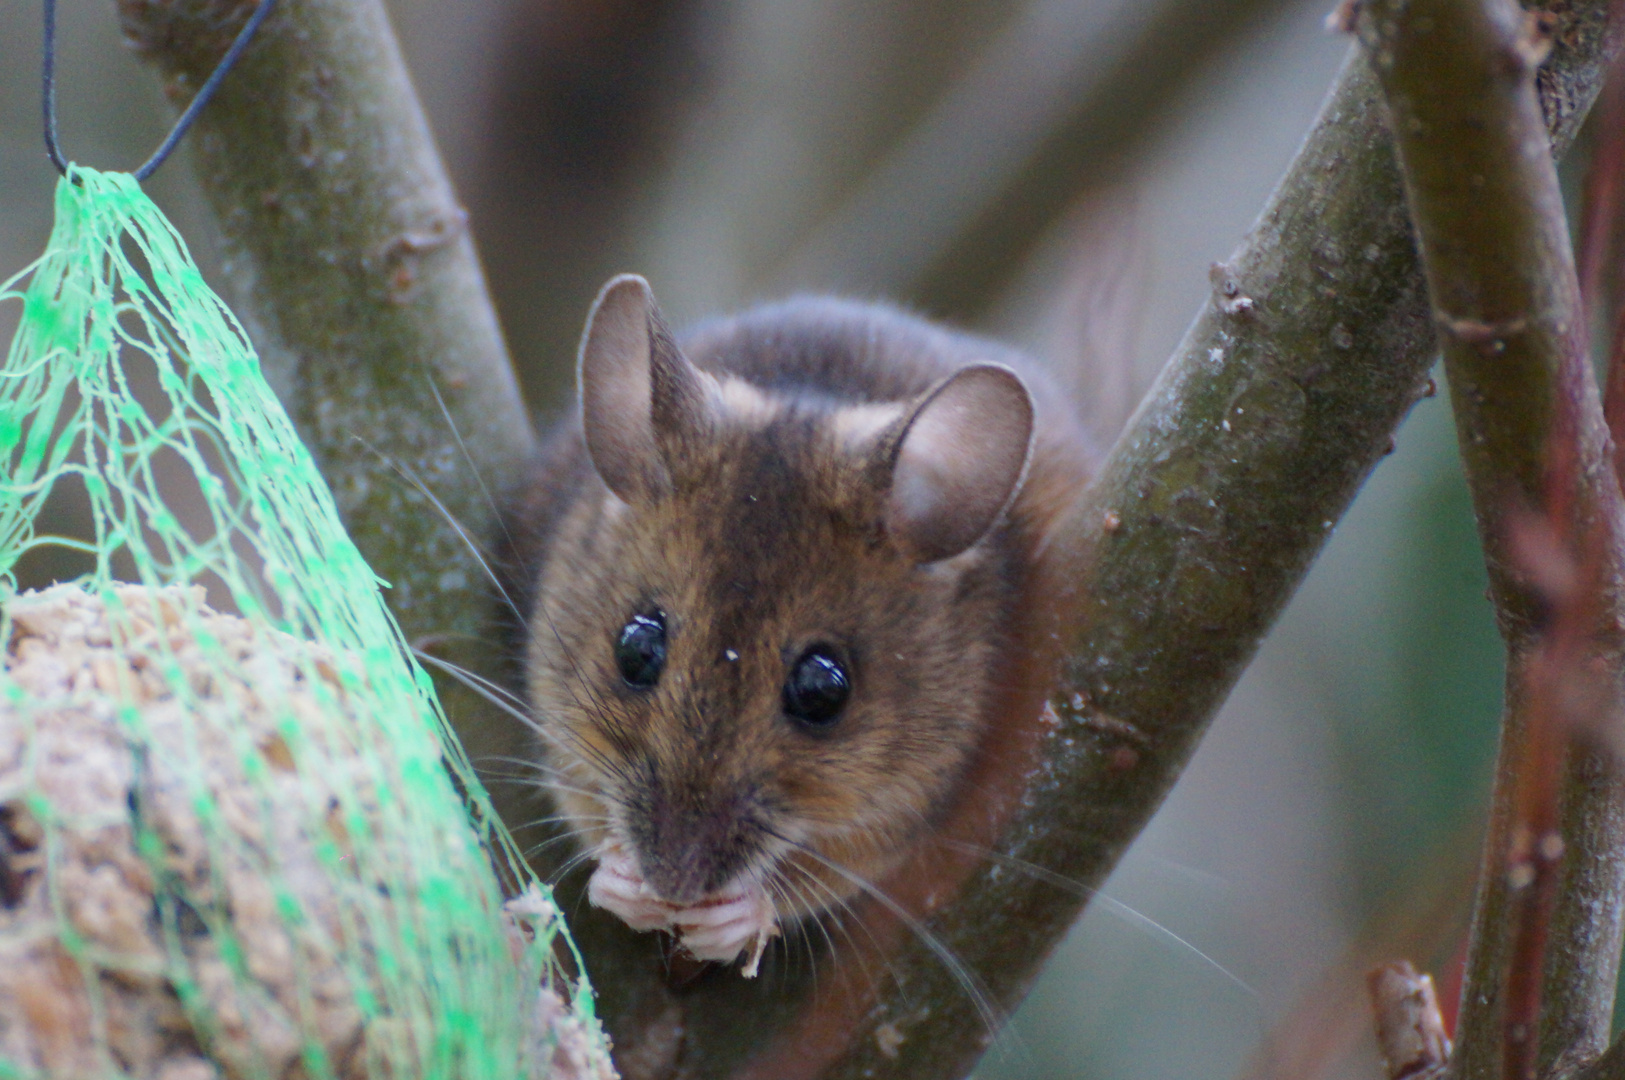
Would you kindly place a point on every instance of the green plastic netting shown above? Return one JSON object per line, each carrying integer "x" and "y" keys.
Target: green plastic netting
{"x": 231, "y": 841}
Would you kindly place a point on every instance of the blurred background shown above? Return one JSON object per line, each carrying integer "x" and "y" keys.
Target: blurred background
{"x": 1059, "y": 173}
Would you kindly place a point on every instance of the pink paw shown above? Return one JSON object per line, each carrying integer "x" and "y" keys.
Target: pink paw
{"x": 617, "y": 887}
{"x": 718, "y": 928}
{"x": 722, "y": 927}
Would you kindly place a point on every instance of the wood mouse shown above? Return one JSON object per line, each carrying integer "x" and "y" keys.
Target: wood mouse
{"x": 775, "y": 577}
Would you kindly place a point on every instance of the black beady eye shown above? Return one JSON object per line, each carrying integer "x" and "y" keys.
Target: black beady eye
{"x": 640, "y": 651}
{"x": 817, "y": 687}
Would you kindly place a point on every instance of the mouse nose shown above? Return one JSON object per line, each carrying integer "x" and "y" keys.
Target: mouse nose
{"x": 690, "y": 849}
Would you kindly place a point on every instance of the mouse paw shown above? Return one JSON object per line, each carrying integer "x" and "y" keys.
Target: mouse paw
{"x": 618, "y": 887}
{"x": 718, "y": 928}
{"x": 722, "y": 927}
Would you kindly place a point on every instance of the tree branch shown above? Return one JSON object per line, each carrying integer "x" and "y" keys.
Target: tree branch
{"x": 947, "y": 218}
{"x": 1283, "y": 396}
{"x": 1459, "y": 79}
{"x": 1602, "y": 250}
{"x": 356, "y": 278}
{"x": 349, "y": 261}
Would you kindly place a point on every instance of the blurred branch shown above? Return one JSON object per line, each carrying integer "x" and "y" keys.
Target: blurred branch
{"x": 1602, "y": 249}
{"x": 578, "y": 121}
{"x": 882, "y": 93}
{"x": 1602, "y": 245}
{"x": 1459, "y": 80}
{"x": 951, "y": 215}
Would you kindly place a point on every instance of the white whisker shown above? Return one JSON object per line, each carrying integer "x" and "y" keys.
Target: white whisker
{"x": 503, "y": 700}
{"x": 837, "y": 909}
{"x": 1076, "y": 888}
{"x": 967, "y": 980}
{"x": 563, "y": 871}
{"x": 434, "y": 500}
{"x": 468, "y": 458}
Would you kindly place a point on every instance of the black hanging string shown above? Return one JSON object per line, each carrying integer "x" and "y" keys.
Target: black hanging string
{"x": 200, "y": 99}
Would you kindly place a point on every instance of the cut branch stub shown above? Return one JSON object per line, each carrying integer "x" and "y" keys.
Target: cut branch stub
{"x": 1410, "y": 1030}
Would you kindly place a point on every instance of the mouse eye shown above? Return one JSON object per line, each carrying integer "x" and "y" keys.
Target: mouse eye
{"x": 640, "y": 651}
{"x": 817, "y": 687}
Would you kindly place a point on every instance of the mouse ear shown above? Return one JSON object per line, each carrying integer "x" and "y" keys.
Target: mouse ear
{"x": 959, "y": 461}
{"x": 640, "y": 396}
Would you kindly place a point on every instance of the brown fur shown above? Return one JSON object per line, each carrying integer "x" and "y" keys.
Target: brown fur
{"x": 771, "y": 537}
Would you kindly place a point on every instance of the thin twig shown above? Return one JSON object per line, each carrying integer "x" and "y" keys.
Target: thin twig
{"x": 1459, "y": 82}
{"x": 1602, "y": 248}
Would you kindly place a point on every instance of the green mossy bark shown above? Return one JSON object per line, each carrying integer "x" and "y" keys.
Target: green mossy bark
{"x": 353, "y": 269}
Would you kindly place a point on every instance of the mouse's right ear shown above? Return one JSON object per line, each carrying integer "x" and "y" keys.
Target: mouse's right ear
{"x": 640, "y": 396}
{"x": 958, "y": 461}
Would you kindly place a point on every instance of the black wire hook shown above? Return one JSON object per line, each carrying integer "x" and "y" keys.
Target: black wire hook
{"x": 200, "y": 99}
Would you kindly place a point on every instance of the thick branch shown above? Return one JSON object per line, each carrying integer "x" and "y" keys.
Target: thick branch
{"x": 1460, "y": 86}
{"x": 356, "y": 278}
{"x": 351, "y": 265}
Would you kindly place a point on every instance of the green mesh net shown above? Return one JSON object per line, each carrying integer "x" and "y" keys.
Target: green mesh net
{"x": 237, "y": 837}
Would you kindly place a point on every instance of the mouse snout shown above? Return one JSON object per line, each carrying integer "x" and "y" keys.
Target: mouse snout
{"x": 690, "y": 849}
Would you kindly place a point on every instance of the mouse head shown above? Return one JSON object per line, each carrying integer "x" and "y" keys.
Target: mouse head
{"x": 762, "y": 647}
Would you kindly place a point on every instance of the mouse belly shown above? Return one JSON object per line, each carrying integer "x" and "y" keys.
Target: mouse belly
{"x": 720, "y": 927}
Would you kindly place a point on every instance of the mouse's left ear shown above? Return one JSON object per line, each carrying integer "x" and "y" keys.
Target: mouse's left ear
{"x": 959, "y": 461}
{"x": 642, "y": 401}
